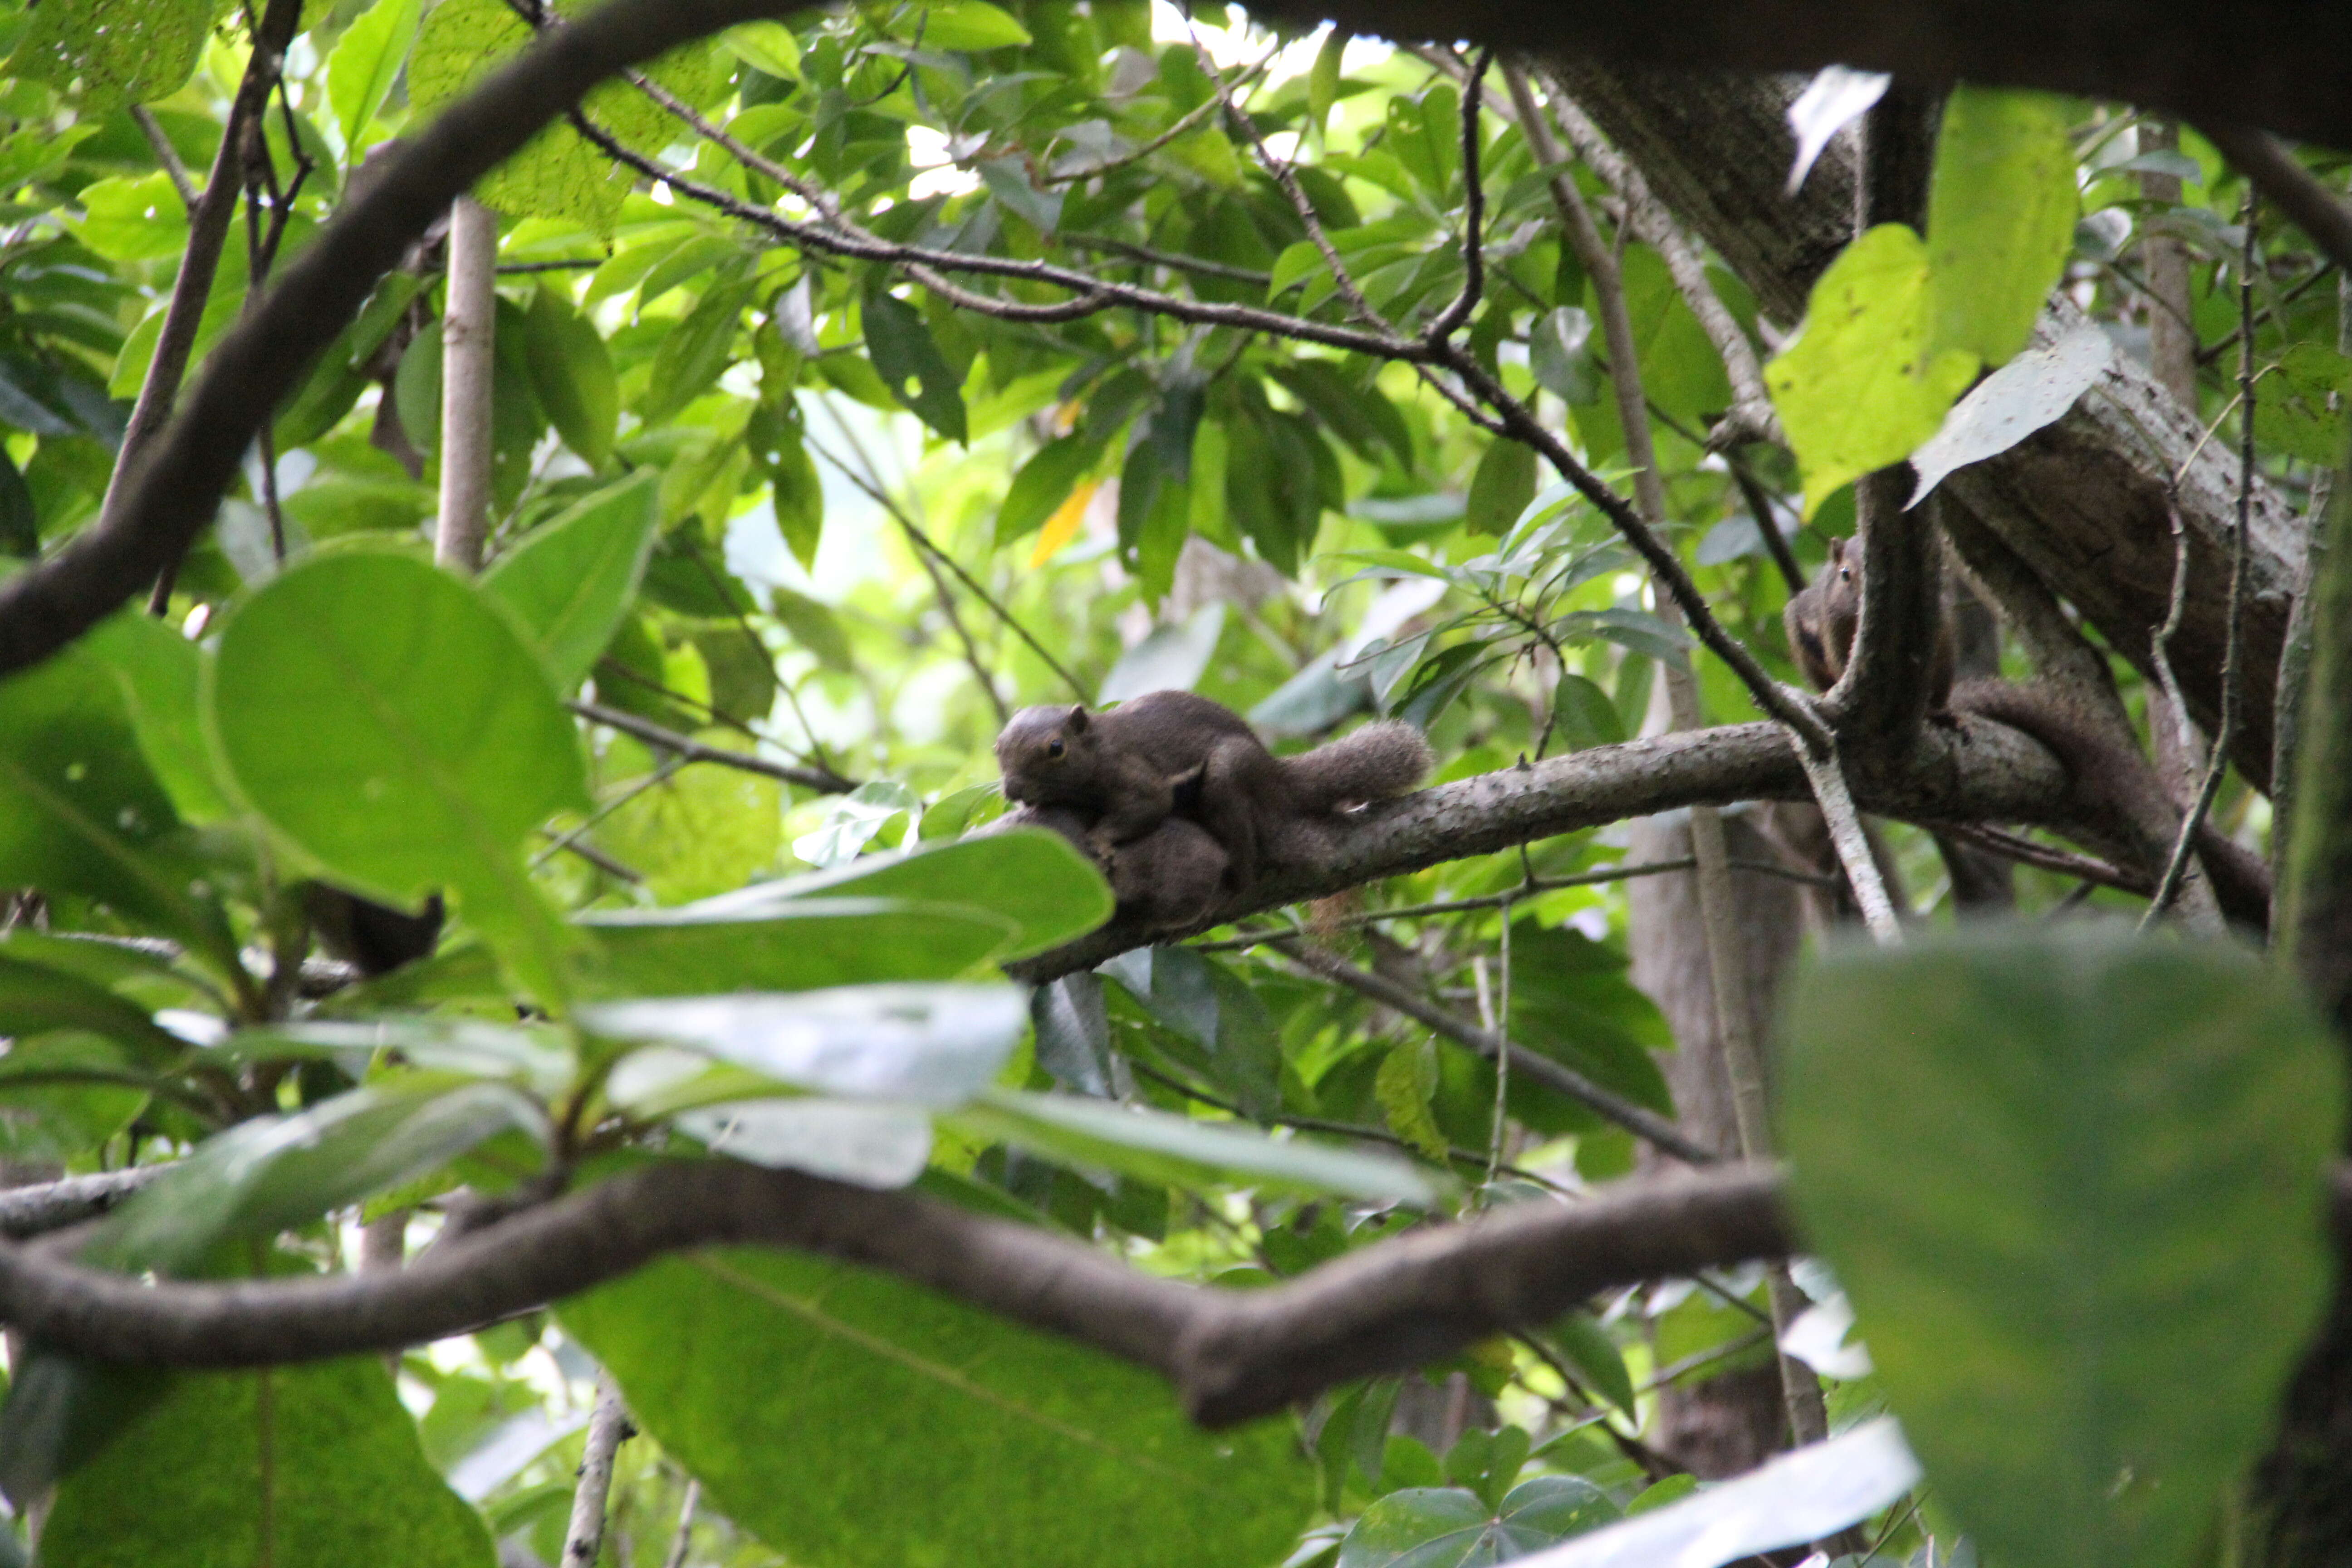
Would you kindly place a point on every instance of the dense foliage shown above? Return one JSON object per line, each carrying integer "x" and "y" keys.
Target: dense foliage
{"x": 810, "y": 463}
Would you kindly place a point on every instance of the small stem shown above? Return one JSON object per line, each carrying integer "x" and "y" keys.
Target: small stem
{"x": 608, "y": 1427}
{"x": 469, "y": 325}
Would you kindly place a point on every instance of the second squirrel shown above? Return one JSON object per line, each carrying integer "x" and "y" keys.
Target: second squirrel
{"x": 1123, "y": 768}
{"x": 1821, "y": 617}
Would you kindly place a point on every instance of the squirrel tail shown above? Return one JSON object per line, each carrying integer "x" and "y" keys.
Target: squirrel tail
{"x": 2122, "y": 781}
{"x": 1378, "y": 762}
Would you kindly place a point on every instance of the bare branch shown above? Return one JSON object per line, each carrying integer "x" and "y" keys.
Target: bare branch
{"x": 166, "y": 154}
{"x": 2316, "y": 210}
{"x": 608, "y": 1427}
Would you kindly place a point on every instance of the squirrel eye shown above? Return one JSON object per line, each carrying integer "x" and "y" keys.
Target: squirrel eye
{"x": 1845, "y": 573}
{"x": 1054, "y": 749}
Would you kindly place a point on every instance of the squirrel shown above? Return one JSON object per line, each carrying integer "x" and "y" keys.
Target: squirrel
{"x": 1166, "y": 880}
{"x": 1821, "y": 619}
{"x": 1124, "y": 767}
{"x": 2109, "y": 778}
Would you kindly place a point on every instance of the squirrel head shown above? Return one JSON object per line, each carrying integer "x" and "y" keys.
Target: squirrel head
{"x": 1047, "y": 756}
{"x": 1841, "y": 578}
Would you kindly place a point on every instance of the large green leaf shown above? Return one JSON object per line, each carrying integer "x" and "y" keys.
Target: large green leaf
{"x": 81, "y": 812}
{"x": 310, "y": 1467}
{"x": 262, "y": 1175}
{"x": 388, "y": 721}
{"x": 1452, "y": 1527}
{"x": 1570, "y": 1000}
{"x": 799, "y": 946}
{"x": 161, "y": 674}
{"x": 933, "y": 1045}
{"x": 1028, "y": 876}
{"x": 1866, "y": 381}
{"x": 571, "y": 372}
{"x": 120, "y": 54}
{"x": 2000, "y": 217}
{"x": 2075, "y": 1185}
{"x": 910, "y": 362}
{"x": 365, "y": 64}
{"x": 34, "y": 999}
{"x": 1154, "y": 1146}
{"x": 571, "y": 581}
{"x": 856, "y": 1420}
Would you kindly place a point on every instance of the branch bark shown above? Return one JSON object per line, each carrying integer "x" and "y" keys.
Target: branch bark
{"x": 469, "y": 325}
{"x": 2269, "y": 62}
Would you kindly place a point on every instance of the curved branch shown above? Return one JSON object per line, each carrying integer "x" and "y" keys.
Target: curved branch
{"x": 1231, "y": 1354}
{"x": 178, "y": 484}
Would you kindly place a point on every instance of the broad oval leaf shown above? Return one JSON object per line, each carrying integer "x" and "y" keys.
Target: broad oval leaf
{"x": 36, "y": 999}
{"x": 1452, "y": 1527}
{"x": 1863, "y": 384}
{"x": 927, "y": 1407}
{"x": 2074, "y": 1183}
{"x": 872, "y": 1145}
{"x": 2001, "y": 217}
{"x": 928, "y": 1045}
{"x": 292, "y": 1465}
{"x": 1807, "y": 1495}
{"x": 571, "y": 582}
{"x": 405, "y": 747}
{"x": 1154, "y": 1146}
{"x": 1030, "y": 877}
{"x": 2028, "y": 393}
{"x": 260, "y": 1176}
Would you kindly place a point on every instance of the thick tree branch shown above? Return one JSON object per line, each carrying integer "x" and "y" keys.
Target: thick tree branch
{"x": 1977, "y": 772}
{"x": 174, "y": 491}
{"x": 2274, "y": 63}
{"x": 2316, "y": 210}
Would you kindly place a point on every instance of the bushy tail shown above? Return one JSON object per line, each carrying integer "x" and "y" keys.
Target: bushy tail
{"x": 1378, "y": 762}
{"x": 2118, "y": 783}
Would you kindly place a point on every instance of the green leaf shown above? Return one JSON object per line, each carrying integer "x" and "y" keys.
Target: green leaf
{"x": 1864, "y": 384}
{"x": 1155, "y": 1146}
{"x": 1323, "y": 76}
{"x": 1044, "y": 483}
{"x": 571, "y": 581}
{"x": 698, "y": 349}
{"x": 1571, "y": 1000}
{"x": 1501, "y": 487}
{"x": 365, "y": 63}
{"x": 135, "y": 218}
{"x": 2292, "y": 405}
{"x": 908, "y": 1388}
{"x": 384, "y": 718}
{"x": 1030, "y": 877}
{"x": 290, "y": 1465}
{"x": 970, "y": 25}
{"x": 2000, "y": 217}
{"x": 910, "y": 362}
{"x": 928, "y": 1045}
{"x": 1449, "y": 1527}
{"x": 159, "y": 673}
{"x": 34, "y": 999}
{"x": 262, "y": 1176}
{"x": 767, "y": 46}
{"x": 118, "y": 54}
{"x": 813, "y": 625}
{"x": 1583, "y": 716}
{"x": 571, "y": 372}
{"x": 1586, "y": 1347}
{"x": 1560, "y": 352}
{"x": 2085, "y": 1176}
{"x": 81, "y": 812}
{"x": 1404, "y": 1085}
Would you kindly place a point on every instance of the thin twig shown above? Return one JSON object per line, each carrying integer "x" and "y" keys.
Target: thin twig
{"x": 1168, "y": 259}
{"x": 823, "y": 781}
{"x": 571, "y": 838}
{"x": 1185, "y": 122}
{"x": 684, "y": 1536}
{"x": 927, "y": 549}
{"x": 166, "y": 154}
{"x": 2225, "y": 730}
{"x": 1638, "y": 1119}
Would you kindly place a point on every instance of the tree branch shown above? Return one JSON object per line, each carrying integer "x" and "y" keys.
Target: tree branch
{"x": 824, "y": 781}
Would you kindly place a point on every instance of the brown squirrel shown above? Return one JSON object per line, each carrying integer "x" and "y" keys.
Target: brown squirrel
{"x": 1166, "y": 880}
{"x": 2109, "y": 778}
{"x": 1821, "y": 619}
{"x": 1123, "y": 766}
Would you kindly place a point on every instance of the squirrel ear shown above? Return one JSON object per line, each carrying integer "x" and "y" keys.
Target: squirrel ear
{"x": 1078, "y": 720}
{"x": 1837, "y": 552}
